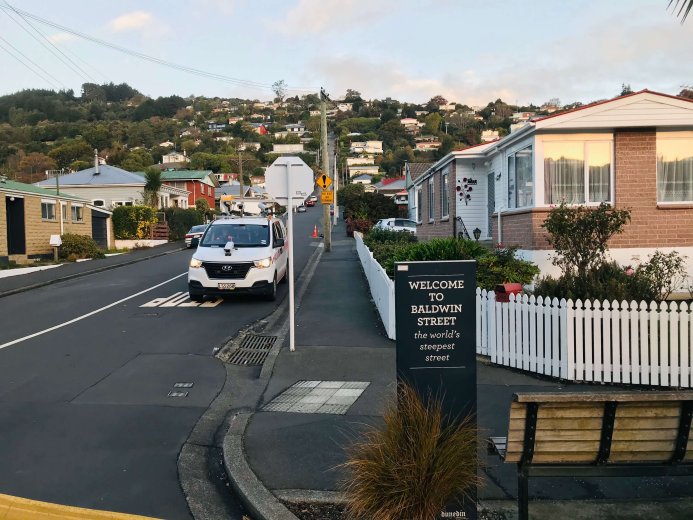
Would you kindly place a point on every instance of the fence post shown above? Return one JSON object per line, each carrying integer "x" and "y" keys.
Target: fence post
{"x": 479, "y": 312}
{"x": 492, "y": 338}
{"x": 567, "y": 341}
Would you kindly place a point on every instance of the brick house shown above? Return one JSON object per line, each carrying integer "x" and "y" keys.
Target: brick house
{"x": 634, "y": 151}
{"x": 30, "y": 215}
{"x": 200, "y": 184}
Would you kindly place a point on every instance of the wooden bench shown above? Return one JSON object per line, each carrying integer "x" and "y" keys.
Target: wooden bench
{"x": 596, "y": 435}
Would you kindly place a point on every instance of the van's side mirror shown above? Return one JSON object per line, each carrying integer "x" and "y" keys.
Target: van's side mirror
{"x": 279, "y": 242}
{"x": 194, "y": 241}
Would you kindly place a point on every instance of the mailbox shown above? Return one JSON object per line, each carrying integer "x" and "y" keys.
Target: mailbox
{"x": 504, "y": 290}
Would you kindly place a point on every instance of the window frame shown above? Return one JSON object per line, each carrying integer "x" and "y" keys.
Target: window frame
{"x": 658, "y": 139}
{"x": 445, "y": 195}
{"x": 431, "y": 199}
{"x": 512, "y": 195}
{"x": 586, "y": 165}
{"x": 418, "y": 197}
{"x": 46, "y": 203}
{"x": 75, "y": 211}
{"x": 102, "y": 201}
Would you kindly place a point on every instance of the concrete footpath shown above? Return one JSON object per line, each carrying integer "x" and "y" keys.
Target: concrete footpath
{"x": 339, "y": 379}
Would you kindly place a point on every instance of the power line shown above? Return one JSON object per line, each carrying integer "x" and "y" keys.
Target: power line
{"x": 159, "y": 61}
{"x": 33, "y": 62}
{"x": 51, "y": 46}
{"x": 27, "y": 66}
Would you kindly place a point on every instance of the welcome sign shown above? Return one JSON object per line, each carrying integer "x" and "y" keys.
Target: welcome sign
{"x": 436, "y": 333}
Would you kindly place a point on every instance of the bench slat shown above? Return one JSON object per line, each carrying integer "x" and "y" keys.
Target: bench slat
{"x": 602, "y": 397}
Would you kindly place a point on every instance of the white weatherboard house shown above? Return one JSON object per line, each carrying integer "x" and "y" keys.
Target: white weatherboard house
{"x": 633, "y": 151}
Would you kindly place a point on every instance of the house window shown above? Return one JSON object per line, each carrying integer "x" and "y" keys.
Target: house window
{"x": 77, "y": 213}
{"x": 577, "y": 172}
{"x": 63, "y": 210}
{"x": 444, "y": 196}
{"x": 520, "y": 179}
{"x": 674, "y": 170}
{"x": 48, "y": 210}
{"x": 431, "y": 200}
{"x": 99, "y": 203}
{"x": 419, "y": 202}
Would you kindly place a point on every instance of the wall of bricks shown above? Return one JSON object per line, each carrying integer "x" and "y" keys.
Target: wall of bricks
{"x": 636, "y": 190}
{"x": 635, "y": 168}
{"x": 39, "y": 231}
{"x": 438, "y": 228}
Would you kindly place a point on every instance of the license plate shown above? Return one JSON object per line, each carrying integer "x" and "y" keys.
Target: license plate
{"x": 227, "y": 286}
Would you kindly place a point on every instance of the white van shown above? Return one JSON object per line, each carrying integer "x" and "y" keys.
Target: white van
{"x": 247, "y": 254}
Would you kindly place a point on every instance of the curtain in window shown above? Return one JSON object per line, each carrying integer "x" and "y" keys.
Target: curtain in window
{"x": 564, "y": 173}
{"x": 599, "y": 157}
{"x": 675, "y": 170}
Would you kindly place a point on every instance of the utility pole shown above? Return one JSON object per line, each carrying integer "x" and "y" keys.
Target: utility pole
{"x": 327, "y": 225}
{"x": 240, "y": 176}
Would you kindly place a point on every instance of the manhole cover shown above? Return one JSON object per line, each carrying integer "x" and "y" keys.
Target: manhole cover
{"x": 253, "y": 350}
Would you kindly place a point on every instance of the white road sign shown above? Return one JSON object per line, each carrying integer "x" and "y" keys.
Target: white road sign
{"x": 302, "y": 183}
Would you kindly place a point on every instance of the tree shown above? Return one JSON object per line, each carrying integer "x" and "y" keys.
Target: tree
{"x": 69, "y": 152}
{"x": 432, "y": 123}
{"x": 435, "y": 103}
{"x": 279, "y": 88}
{"x": 36, "y": 163}
{"x": 686, "y": 92}
{"x": 137, "y": 161}
{"x": 625, "y": 89}
{"x": 152, "y": 185}
{"x": 684, "y": 8}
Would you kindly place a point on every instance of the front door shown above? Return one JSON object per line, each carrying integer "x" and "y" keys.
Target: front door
{"x": 14, "y": 210}
{"x": 99, "y": 224}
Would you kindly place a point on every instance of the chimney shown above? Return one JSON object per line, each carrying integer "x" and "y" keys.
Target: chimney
{"x": 96, "y": 161}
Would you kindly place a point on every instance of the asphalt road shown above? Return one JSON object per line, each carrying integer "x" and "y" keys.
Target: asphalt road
{"x": 86, "y": 368}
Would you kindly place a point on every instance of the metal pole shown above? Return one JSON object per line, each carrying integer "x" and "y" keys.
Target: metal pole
{"x": 326, "y": 171}
{"x": 289, "y": 193}
{"x": 335, "y": 176}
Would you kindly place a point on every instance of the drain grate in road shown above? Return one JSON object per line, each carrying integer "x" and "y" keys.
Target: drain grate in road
{"x": 332, "y": 397}
{"x": 253, "y": 350}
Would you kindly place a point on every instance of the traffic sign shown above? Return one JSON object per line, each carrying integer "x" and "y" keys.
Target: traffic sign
{"x": 324, "y": 181}
{"x": 327, "y": 197}
{"x": 277, "y": 185}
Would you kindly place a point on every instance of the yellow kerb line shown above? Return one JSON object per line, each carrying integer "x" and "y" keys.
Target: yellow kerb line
{"x": 16, "y": 508}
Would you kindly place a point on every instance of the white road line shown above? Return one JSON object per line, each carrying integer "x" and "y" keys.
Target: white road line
{"x": 84, "y": 316}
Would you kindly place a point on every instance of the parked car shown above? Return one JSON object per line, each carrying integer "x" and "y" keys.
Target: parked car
{"x": 331, "y": 209}
{"x": 396, "y": 224}
{"x": 195, "y": 232}
{"x": 314, "y": 198}
{"x": 248, "y": 254}
{"x": 301, "y": 208}
{"x": 310, "y": 203}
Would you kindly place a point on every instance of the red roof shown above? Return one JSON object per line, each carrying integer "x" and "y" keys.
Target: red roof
{"x": 542, "y": 118}
{"x": 390, "y": 180}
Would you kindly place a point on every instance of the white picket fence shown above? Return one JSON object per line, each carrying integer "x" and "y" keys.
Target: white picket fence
{"x": 640, "y": 343}
{"x": 382, "y": 288}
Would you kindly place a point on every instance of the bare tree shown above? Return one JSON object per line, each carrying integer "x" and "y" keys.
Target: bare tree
{"x": 279, "y": 88}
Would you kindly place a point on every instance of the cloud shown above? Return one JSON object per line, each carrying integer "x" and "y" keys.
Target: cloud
{"x": 133, "y": 20}
{"x": 225, "y": 7}
{"x": 321, "y": 16}
{"x": 61, "y": 37}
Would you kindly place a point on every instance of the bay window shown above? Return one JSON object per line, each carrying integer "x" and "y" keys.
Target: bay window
{"x": 576, "y": 172}
{"x": 674, "y": 169}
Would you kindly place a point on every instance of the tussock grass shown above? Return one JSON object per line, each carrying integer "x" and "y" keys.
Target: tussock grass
{"x": 414, "y": 466}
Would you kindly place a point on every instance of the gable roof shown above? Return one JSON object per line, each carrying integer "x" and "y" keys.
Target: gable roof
{"x": 107, "y": 175}
{"x": 30, "y": 189}
{"x": 416, "y": 169}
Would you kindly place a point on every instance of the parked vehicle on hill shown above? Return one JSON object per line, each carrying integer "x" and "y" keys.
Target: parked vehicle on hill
{"x": 248, "y": 254}
{"x": 396, "y": 224}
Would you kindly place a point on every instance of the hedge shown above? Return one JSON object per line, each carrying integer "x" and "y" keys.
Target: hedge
{"x": 133, "y": 222}
{"x": 181, "y": 220}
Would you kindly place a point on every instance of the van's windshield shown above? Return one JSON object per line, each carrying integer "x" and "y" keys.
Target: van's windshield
{"x": 242, "y": 235}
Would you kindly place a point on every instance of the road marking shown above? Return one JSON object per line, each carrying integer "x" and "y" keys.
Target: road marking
{"x": 16, "y": 507}
{"x": 179, "y": 300}
{"x": 87, "y": 315}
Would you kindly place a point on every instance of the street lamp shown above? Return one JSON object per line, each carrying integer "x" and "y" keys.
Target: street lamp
{"x": 477, "y": 234}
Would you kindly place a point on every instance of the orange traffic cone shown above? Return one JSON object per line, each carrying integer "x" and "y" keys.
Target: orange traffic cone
{"x": 315, "y": 231}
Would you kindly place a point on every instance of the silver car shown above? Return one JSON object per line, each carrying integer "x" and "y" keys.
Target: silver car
{"x": 396, "y": 224}
{"x": 195, "y": 232}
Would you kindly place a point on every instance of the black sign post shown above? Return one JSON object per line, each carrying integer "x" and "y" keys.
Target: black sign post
{"x": 435, "y": 311}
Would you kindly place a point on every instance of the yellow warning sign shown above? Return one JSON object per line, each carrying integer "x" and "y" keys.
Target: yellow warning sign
{"x": 324, "y": 181}
{"x": 327, "y": 197}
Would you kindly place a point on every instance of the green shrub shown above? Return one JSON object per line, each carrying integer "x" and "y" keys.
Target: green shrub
{"x": 133, "y": 222}
{"x": 377, "y": 235}
{"x": 412, "y": 467}
{"x": 493, "y": 267}
{"x": 78, "y": 246}
{"x": 654, "y": 279}
{"x": 181, "y": 220}
{"x": 361, "y": 225}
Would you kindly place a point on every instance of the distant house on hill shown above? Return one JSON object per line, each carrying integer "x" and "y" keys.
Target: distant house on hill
{"x": 200, "y": 184}
{"x": 175, "y": 157}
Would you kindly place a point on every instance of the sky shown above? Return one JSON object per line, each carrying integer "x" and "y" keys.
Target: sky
{"x": 468, "y": 51}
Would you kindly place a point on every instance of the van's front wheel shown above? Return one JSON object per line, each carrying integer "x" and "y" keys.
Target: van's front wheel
{"x": 271, "y": 294}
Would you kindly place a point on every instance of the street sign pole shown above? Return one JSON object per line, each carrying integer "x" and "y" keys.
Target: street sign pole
{"x": 289, "y": 191}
